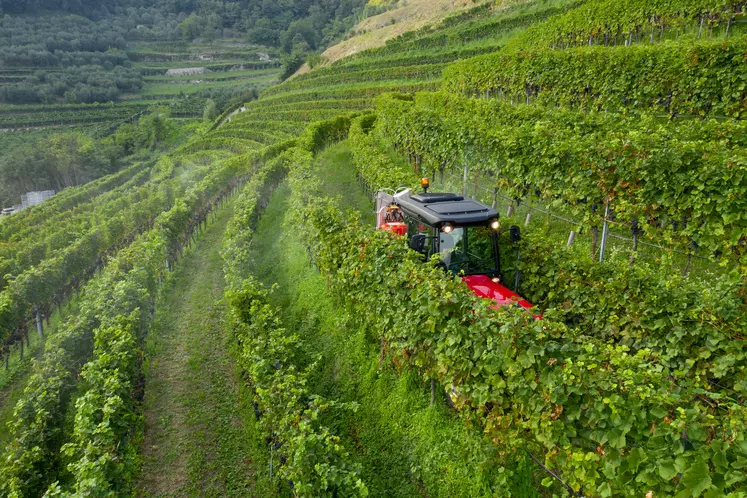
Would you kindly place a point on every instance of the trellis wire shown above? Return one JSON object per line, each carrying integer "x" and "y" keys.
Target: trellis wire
{"x": 496, "y": 193}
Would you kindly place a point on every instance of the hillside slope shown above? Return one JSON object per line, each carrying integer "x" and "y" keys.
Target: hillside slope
{"x": 610, "y": 132}
{"x": 402, "y": 17}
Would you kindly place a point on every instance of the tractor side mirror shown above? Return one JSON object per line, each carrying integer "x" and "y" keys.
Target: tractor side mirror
{"x": 417, "y": 242}
{"x": 514, "y": 233}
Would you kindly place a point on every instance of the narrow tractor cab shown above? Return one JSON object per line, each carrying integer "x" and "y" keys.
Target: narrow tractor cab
{"x": 462, "y": 232}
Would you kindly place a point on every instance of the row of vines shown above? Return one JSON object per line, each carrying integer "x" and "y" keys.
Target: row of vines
{"x": 90, "y": 369}
{"x": 683, "y": 182}
{"x": 311, "y": 458}
{"x": 634, "y": 408}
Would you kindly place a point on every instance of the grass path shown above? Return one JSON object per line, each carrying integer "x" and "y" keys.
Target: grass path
{"x": 199, "y": 436}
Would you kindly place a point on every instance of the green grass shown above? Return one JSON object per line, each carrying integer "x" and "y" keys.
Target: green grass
{"x": 200, "y": 437}
{"x": 218, "y": 76}
{"x": 151, "y": 89}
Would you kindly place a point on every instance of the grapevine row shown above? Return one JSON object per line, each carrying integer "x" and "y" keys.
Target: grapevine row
{"x": 110, "y": 305}
{"x": 688, "y": 176}
{"x": 456, "y": 30}
{"x": 416, "y": 72}
{"x": 351, "y": 91}
{"x": 66, "y": 200}
{"x": 608, "y": 418}
{"x": 312, "y": 459}
{"x": 705, "y": 78}
{"x": 611, "y": 21}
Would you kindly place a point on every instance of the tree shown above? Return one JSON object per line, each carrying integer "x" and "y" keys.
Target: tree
{"x": 210, "y": 112}
{"x": 190, "y": 27}
{"x": 212, "y": 28}
{"x": 291, "y": 63}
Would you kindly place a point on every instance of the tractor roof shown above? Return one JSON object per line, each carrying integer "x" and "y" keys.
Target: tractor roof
{"x": 438, "y": 208}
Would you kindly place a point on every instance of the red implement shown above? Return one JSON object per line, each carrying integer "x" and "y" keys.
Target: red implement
{"x": 483, "y": 286}
{"x": 395, "y": 227}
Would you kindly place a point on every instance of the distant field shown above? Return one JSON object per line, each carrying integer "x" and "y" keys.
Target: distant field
{"x": 153, "y": 60}
{"x": 217, "y": 76}
{"x": 186, "y": 86}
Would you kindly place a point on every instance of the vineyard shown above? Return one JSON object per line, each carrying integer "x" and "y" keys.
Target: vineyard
{"x": 221, "y": 317}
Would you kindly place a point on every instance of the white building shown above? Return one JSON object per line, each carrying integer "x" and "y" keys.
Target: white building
{"x": 34, "y": 198}
{"x": 29, "y": 199}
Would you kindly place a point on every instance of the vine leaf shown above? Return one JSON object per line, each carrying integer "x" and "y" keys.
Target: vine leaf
{"x": 696, "y": 479}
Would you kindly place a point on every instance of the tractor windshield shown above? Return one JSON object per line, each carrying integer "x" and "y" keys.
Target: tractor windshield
{"x": 471, "y": 250}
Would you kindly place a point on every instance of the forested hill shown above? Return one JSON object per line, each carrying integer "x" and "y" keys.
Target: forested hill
{"x": 76, "y": 64}
{"x": 44, "y": 49}
{"x": 266, "y": 22}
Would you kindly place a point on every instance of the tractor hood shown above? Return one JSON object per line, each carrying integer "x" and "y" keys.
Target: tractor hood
{"x": 483, "y": 286}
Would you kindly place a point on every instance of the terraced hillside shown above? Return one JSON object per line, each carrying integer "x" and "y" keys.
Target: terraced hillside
{"x": 225, "y": 320}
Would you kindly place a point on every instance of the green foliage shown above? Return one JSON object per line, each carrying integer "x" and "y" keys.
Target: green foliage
{"x": 321, "y": 133}
{"x": 63, "y": 160}
{"x": 315, "y": 60}
{"x": 478, "y": 24}
{"x": 190, "y": 27}
{"x": 125, "y": 285}
{"x": 327, "y": 78}
{"x": 618, "y": 22}
{"x": 312, "y": 458}
{"x": 675, "y": 318}
{"x": 604, "y": 413}
{"x": 210, "y": 113}
{"x": 375, "y": 166}
{"x": 703, "y": 78}
{"x": 291, "y": 63}
{"x": 428, "y": 449}
{"x": 298, "y": 24}
{"x": 574, "y": 160}
{"x": 349, "y": 91}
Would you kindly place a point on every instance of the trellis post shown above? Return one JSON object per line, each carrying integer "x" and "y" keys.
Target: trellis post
{"x": 605, "y": 231}
{"x": 571, "y": 238}
{"x": 39, "y": 325}
{"x": 464, "y": 180}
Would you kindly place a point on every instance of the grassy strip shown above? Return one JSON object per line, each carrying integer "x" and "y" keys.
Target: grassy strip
{"x": 199, "y": 436}
{"x": 151, "y": 89}
{"x": 225, "y": 75}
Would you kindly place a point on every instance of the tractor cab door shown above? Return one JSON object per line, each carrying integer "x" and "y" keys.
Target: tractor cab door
{"x": 469, "y": 250}
{"x": 425, "y": 237}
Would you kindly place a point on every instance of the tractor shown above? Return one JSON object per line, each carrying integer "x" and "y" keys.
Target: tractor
{"x": 462, "y": 232}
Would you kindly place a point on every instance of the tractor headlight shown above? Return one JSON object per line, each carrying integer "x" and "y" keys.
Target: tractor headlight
{"x": 495, "y": 224}
{"x": 447, "y": 228}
